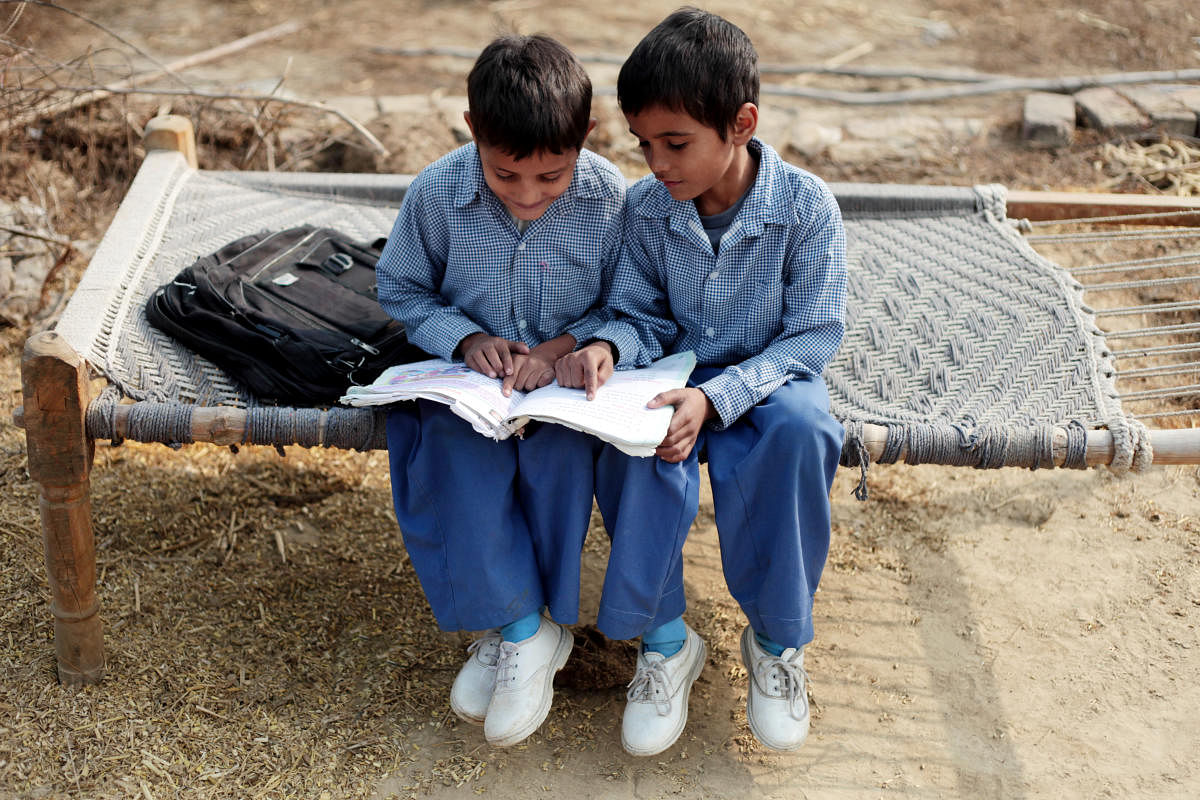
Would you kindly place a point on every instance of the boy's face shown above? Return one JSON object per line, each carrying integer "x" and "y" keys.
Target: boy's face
{"x": 527, "y": 186}
{"x": 691, "y": 159}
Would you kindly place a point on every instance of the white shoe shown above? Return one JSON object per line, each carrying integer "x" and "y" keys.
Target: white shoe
{"x": 525, "y": 683}
{"x": 472, "y": 690}
{"x": 776, "y": 705}
{"x": 657, "y": 701}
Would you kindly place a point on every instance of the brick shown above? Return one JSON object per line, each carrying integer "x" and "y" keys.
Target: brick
{"x": 1049, "y": 119}
{"x": 1165, "y": 111}
{"x": 1188, "y": 96}
{"x": 1103, "y": 109}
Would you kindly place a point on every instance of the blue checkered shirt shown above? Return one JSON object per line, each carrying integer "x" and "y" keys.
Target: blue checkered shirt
{"x": 769, "y": 307}
{"x": 455, "y": 263}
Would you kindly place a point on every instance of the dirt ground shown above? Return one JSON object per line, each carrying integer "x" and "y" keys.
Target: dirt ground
{"x": 980, "y": 634}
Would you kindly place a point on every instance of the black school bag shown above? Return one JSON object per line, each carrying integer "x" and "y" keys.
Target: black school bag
{"x": 292, "y": 314}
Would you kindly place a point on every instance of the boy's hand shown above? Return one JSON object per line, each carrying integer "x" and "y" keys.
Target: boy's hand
{"x": 491, "y": 355}
{"x": 530, "y": 372}
{"x": 692, "y": 409}
{"x": 587, "y": 368}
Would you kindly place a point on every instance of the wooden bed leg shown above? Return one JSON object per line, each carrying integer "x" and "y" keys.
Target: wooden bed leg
{"x": 55, "y": 384}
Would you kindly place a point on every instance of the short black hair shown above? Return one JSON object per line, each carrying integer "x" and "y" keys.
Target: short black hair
{"x": 693, "y": 61}
{"x": 529, "y": 94}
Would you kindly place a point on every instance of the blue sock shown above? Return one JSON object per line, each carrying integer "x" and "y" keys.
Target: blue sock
{"x": 521, "y": 629}
{"x": 666, "y": 639}
{"x": 768, "y": 644}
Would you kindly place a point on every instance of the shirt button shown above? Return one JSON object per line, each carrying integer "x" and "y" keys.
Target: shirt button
{"x": 521, "y": 246}
{"x": 710, "y": 331}
{"x": 712, "y": 276}
{"x": 521, "y": 324}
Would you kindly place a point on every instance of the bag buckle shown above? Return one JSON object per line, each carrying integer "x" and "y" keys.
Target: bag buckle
{"x": 338, "y": 263}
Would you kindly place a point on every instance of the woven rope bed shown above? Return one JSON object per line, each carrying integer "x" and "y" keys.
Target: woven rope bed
{"x": 965, "y": 344}
{"x": 963, "y": 347}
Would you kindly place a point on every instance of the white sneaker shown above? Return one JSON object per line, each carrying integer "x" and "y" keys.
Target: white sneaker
{"x": 472, "y": 690}
{"x": 525, "y": 683}
{"x": 776, "y": 705}
{"x": 657, "y": 701}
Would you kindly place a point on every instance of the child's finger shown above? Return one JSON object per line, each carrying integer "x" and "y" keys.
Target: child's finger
{"x": 506, "y": 361}
{"x": 668, "y": 398}
{"x": 590, "y": 383}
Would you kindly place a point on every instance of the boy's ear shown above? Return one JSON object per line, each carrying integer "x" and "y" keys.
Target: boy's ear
{"x": 745, "y": 123}
{"x": 467, "y": 119}
{"x": 591, "y": 127}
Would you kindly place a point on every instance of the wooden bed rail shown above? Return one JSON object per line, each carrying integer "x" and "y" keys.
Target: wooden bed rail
{"x": 226, "y": 426}
{"x": 1045, "y": 206}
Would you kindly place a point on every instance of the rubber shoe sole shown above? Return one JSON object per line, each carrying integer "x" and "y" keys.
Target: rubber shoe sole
{"x": 464, "y": 716}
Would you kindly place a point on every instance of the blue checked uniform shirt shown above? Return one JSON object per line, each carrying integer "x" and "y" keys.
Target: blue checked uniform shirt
{"x": 455, "y": 263}
{"x": 769, "y": 307}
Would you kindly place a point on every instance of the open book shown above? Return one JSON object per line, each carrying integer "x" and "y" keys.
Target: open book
{"x": 618, "y": 414}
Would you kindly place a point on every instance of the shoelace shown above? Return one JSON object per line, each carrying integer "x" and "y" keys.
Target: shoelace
{"x": 781, "y": 676}
{"x": 506, "y": 663}
{"x": 650, "y": 685}
{"x": 489, "y": 644}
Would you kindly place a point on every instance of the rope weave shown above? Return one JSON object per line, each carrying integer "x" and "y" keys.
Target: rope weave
{"x": 963, "y": 342}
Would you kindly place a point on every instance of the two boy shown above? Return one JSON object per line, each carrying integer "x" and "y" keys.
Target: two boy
{"x": 727, "y": 251}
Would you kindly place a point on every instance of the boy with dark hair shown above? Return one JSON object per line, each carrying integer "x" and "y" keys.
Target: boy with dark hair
{"x": 500, "y": 256}
{"x": 739, "y": 256}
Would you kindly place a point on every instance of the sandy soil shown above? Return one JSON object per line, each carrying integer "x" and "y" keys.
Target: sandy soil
{"x": 997, "y": 634}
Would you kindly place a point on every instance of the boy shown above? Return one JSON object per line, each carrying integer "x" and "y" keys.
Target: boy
{"x": 499, "y": 257}
{"x": 736, "y": 255}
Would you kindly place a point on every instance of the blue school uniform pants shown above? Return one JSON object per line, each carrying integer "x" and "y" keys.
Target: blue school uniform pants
{"x": 495, "y": 530}
{"x": 560, "y": 469}
{"x": 771, "y": 472}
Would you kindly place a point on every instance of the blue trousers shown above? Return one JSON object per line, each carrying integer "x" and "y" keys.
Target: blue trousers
{"x": 560, "y": 469}
{"x": 771, "y": 473}
{"x": 495, "y": 530}
{"x": 455, "y": 497}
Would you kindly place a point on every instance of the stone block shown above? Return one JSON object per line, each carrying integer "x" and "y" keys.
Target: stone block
{"x": 1188, "y": 96}
{"x": 360, "y": 108}
{"x": 415, "y": 104}
{"x": 452, "y": 108}
{"x": 1166, "y": 112}
{"x": 775, "y": 126}
{"x": 1102, "y": 108}
{"x": 812, "y": 138}
{"x": 905, "y": 129}
{"x": 1049, "y": 119}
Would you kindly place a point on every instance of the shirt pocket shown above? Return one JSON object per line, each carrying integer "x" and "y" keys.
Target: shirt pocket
{"x": 568, "y": 288}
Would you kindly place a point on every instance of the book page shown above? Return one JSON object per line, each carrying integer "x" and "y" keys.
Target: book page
{"x": 618, "y": 414}
{"x": 471, "y": 395}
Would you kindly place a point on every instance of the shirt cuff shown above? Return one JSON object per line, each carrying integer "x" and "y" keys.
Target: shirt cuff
{"x": 584, "y": 330}
{"x": 440, "y": 334}
{"x": 729, "y": 396}
{"x": 623, "y": 337}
